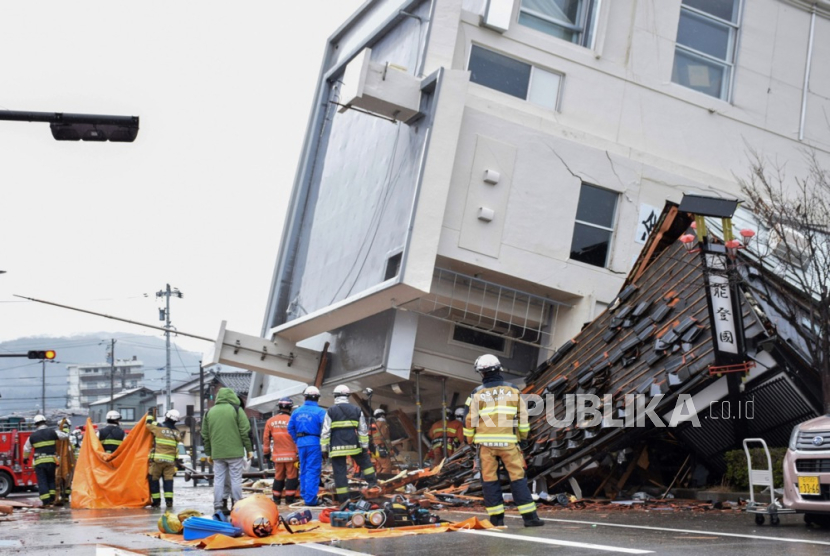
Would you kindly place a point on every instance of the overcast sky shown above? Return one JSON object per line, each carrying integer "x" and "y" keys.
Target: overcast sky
{"x": 223, "y": 90}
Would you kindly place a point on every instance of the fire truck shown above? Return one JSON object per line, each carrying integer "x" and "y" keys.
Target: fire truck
{"x": 16, "y": 473}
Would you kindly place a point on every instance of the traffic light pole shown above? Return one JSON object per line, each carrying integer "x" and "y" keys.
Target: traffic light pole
{"x": 43, "y": 386}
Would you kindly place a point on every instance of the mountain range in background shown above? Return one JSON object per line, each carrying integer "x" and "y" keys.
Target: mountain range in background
{"x": 21, "y": 378}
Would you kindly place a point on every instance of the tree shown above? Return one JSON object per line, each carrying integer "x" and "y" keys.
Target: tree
{"x": 794, "y": 244}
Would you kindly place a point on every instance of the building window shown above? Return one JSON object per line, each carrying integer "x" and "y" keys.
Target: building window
{"x": 705, "y": 51}
{"x": 469, "y": 336}
{"x": 127, "y": 413}
{"x": 570, "y": 20}
{"x": 594, "y": 225}
{"x": 513, "y": 77}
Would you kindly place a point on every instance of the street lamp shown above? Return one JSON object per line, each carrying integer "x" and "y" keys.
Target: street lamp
{"x": 77, "y": 127}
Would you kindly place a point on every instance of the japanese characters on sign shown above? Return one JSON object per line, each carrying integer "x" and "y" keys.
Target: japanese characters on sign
{"x": 646, "y": 223}
{"x": 721, "y": 297}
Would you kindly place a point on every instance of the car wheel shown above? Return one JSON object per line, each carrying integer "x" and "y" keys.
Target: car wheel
{"x": 6, "y": 484}
{"x": 822, "y": 520}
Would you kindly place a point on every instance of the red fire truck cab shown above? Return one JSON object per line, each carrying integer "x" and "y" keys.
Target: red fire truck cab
{"x": 15, "y": 472}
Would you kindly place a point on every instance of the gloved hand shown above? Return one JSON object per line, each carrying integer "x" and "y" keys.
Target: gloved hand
{"x": 296, "y": 464}
{"x": 250, "y": 455}
{"x": 266, "y": 454}
{"x": 523, "y": 445}
{"x": 210, "y": 460}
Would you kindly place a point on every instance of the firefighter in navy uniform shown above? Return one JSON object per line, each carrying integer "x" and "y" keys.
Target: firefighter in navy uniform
{"x": 166, "y": 439}
{"x": 44, "y": 443}
{"x": 492, "y": 426}
{"x": 345, "y": 434}
{"x": 112, "y": 435}
{"x": 283, "y": 453}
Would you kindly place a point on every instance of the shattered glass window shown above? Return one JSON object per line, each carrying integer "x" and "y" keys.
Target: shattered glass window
{"x": 594, "y": 225}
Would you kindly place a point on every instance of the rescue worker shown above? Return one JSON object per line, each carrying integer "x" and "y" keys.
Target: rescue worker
{"x": 380, "y": 440}
{"x": 305, "y": 427}
{"x": 491, "y": 425}
{"x": 454, "y": 432}
{"x": 345, "y": 434}
{"x": 283, "y": 453}
{"x": 44, "y": 442}
{"x": 112, "y": 435}
{"x": 163, "y": 455}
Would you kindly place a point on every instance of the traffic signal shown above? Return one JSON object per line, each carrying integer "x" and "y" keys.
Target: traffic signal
{"x": 41, "y": 354}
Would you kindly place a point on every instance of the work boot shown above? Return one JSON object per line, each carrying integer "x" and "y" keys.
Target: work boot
{"x": 532, "y": 520}
{"x": 276, "y": 500}
{"x": 289, "y": 500}
{"x": 497, "y": 520}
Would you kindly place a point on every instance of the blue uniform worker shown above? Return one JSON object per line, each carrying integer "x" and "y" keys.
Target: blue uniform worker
{"x": 305, "y": 426}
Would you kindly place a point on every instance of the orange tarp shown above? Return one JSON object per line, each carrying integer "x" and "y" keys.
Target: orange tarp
{"x": 320, "y": 533}
{"x": 117, "y": 480}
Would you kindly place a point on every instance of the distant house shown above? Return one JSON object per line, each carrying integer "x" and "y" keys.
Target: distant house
{"x": 132, "y": 404}
{"x": 187, "y": 393}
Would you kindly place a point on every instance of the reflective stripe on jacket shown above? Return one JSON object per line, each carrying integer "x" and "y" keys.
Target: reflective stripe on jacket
{"x": 276, "y": 430}
{"x": 44, "y": 442}
{"x": 494, "y": 409}
{"x": 111, "y": 437}
{"x": 344, "y": 430}
{"x": 165, "y": 442}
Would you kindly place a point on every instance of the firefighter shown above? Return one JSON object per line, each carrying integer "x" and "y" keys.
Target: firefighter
{"x": 305, "y": 427}
{"x": 283, "y": 453}
{"x": 112, "y": 435}
{"x": 454, "y": 431}
{"x": 491, "y": 425}
{"x": 345, "y": 434}
{"x": 166, "y": 439}
{"x": 380, "y": 439}
{"x": 44, "y": 442}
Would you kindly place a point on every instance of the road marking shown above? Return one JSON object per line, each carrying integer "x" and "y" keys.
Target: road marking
{"x": 670, "y": 530}
{"x": 556, "y": 542}
{"x": 333, "y": 549}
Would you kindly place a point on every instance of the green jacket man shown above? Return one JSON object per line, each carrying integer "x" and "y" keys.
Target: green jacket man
{"x": 226, "y": 435}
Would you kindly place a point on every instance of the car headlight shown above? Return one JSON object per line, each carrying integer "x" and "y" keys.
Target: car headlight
{"x": 794, "y": 438}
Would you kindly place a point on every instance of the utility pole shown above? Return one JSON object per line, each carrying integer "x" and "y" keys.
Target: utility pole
{"x": 164, "y": 315}
{"x": 111, "y": 356}
{"x": 43, "y": 387}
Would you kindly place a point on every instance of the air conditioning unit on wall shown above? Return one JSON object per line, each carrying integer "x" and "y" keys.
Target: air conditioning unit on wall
{"x": 380, "y": 88}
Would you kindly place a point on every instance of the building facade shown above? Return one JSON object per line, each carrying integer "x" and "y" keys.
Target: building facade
{"x": 479, "y": 176}
{"x": 132, "y": 404}
{"x": 96, "y": 381}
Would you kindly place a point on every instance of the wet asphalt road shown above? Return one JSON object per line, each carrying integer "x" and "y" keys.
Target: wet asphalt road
{"x": 67, "y": 532}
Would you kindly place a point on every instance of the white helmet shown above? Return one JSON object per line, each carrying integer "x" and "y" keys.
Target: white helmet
{"x": 487, "y": 364}
{"x": 113, "y": 416}
{"x": 312, "y": 392}
{"x": 460, "y": 412}
{"x": 173, "y": 415}
{"x": 39, "y": 419}
{"x": 341, "y": 390}
{"x": 379, "y": 413}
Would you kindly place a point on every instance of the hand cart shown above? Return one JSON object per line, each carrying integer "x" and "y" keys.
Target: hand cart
{"x": 762, "y": 477}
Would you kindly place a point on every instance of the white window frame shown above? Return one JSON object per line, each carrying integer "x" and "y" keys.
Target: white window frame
{"x": 612, "y": 229}
{"x": 589, "y": 18}
{"x": 734, "y": 34}
{"x": 533, "y": 69}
